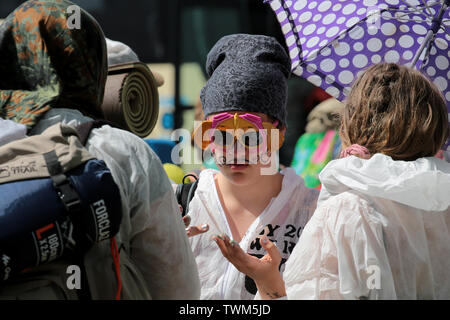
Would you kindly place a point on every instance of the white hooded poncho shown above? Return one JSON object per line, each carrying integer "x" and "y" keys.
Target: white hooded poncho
{"x": 381, "y": 231}
{"x": 159, "y": 263}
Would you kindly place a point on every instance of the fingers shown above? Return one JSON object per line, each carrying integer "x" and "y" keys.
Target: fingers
{"x": 232, "y": 252}
{"x": 226, "y": 245}
{"x": 271, "y": 248}
{"x": 196, "y": 230}
{"x": 220, "y": 240}
{"x": 186, "y": 220}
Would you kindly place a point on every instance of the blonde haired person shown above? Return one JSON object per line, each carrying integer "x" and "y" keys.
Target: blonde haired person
{"x": 381, "y": 229}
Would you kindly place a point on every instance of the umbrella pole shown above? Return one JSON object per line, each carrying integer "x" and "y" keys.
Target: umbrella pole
{"x": 434, "y": 29}
{"x": 427, "y": 39}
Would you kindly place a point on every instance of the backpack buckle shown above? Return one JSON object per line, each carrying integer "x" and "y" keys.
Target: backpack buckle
{"x": 67, "y": 193}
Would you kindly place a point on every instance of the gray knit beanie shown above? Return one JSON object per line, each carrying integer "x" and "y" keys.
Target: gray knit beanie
{"x": 247, "y": 73}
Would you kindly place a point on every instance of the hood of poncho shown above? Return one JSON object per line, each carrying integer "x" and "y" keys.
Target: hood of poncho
{"x": 423, "y": 183}
{"x": 52, "y": 54}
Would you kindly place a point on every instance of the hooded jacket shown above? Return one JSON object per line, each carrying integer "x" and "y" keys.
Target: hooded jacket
{"x": 381, "y": 230}
{"x": 46, "y": 64}
{"x": 52, "y": 73}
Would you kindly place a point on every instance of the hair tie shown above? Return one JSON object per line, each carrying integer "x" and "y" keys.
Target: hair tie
{"x": 355, "y": 150}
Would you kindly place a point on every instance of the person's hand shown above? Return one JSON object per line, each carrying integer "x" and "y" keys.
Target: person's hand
{"x": 263, "y": 271}
{"x": 194, "y": 230}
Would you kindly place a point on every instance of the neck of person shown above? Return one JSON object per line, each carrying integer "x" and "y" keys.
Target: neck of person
{"x": 265, "y": 187}
{"x": 242, "y": 204}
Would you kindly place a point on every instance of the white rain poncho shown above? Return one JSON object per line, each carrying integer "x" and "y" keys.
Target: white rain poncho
{"x": 160, "y": 264}
{"x": 285, "y": 218}
{"x": 381, "y": 231}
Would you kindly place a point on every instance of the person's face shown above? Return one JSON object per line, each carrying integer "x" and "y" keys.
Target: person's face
{"x": 241, "y": 165}
{"x": 242, "y": 174}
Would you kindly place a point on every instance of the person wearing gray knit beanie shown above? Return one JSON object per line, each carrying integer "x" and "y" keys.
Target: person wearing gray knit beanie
{"x": 244, "y": 103}
{"x": 247, "y": 73}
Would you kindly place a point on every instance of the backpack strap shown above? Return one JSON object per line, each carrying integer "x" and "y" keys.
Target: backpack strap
{"x": 84, "y": 129}
{"x": 185, "y": 192}
{"x": 66, "y": 191}
{"x": 71, "y": 200}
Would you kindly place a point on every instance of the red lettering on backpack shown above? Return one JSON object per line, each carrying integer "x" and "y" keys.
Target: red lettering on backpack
{"x": 40, "y": 231}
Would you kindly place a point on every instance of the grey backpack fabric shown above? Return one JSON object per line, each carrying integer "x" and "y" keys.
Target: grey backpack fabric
{"x": 47, "y": 282}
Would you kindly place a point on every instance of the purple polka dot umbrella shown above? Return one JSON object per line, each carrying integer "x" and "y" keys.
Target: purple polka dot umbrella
{"x": 331, "y": 42}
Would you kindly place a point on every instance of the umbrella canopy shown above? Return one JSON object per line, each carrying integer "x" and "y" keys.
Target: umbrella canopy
{"x": 331, "y": 42}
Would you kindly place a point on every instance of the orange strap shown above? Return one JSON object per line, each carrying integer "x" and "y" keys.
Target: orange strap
{"x": 115, "y": 255}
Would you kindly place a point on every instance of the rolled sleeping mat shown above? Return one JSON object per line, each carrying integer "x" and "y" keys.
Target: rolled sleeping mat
{"x": 131, "y": 97}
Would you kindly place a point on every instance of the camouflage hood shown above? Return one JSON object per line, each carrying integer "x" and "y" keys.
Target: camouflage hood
{"x": 47, "y": 62}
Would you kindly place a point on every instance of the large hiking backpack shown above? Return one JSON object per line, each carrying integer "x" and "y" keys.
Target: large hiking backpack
{"x": 56, "y": 202}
